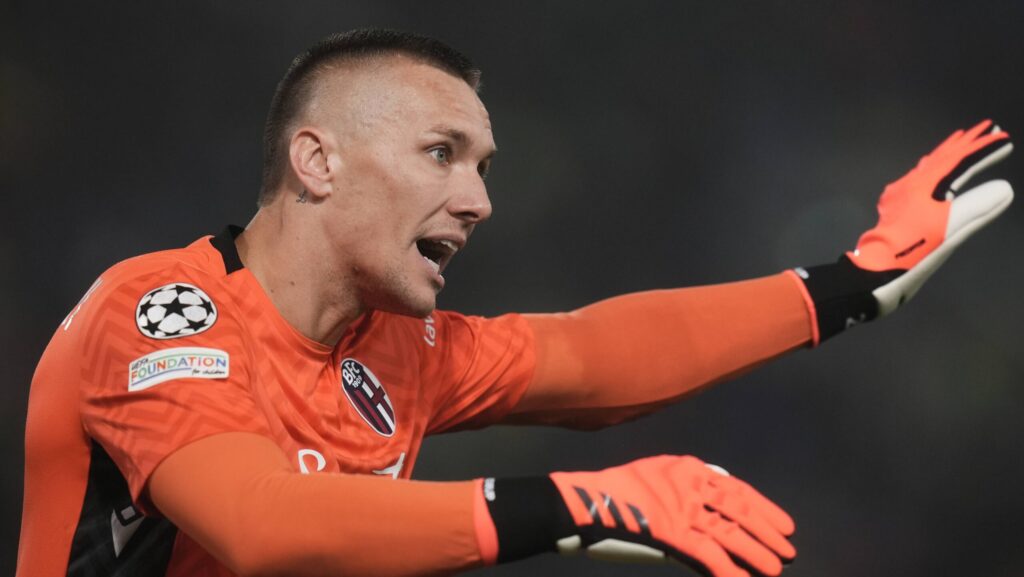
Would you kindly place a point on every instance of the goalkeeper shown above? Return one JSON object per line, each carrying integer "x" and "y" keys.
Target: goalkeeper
{"x": 253, "y": 403}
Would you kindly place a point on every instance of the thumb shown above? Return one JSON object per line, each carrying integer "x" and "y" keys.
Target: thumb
{"x": 968, "y": 213}
{"x": 975, "y": 208}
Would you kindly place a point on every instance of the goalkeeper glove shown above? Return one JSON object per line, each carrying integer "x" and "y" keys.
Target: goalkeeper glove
{"x": 654, "y": 510}
{"x": 922, "y": 218}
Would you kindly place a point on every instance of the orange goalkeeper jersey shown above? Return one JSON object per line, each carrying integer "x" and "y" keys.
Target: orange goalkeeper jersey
{"x": 174, "y": 346}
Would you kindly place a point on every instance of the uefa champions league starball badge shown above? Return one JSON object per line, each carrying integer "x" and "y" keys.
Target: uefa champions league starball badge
{"x": 175, "y": 310}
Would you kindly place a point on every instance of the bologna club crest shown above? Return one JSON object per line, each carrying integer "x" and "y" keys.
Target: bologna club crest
{"x": 368, "y": 397}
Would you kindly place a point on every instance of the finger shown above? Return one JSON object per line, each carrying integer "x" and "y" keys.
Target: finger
{"x": 955, "y": 141}
{"x": 983, "y": 153}
{"x": 968, "y": 144}
{"x": 743, "y": 547}
{"x": 987, "y": 156}
{"x": 771, "y": 512}
{"x": 975, "y": 208}
{"x": 977, "y": 129}
{"x": 750, "y": 518}
{"x": 706, "y": 556}
{"x": 949, "y": 140}
{"x": 985, "y": 140}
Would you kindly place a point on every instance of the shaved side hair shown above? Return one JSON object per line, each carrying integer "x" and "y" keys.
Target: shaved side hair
{"x": 299, "y": 84}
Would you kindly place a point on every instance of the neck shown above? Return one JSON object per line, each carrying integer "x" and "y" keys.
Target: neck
{"x": 285, "y": 257}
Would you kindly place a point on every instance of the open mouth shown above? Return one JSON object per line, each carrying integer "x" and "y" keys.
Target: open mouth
{"x": 437, "y": 252}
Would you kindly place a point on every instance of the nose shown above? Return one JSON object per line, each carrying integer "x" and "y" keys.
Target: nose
{"x": 471, "y": 204}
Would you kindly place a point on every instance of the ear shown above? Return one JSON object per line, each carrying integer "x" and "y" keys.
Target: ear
{"x": 311, "y": 153}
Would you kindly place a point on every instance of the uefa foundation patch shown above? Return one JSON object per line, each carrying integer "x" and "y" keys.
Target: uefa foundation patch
{"x": 178, "y": 363}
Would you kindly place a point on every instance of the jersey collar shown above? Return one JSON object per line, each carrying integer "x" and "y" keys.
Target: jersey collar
{"x": 224, "y": 242}
{"x": 225, "y": 245}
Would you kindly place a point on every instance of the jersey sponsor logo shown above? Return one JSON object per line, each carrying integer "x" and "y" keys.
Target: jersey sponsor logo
{"x": 368, "y": 396}
{"x": 321, "y": 462}
{"x": 431, "y": 332}
{"x": 393, "y": 470}
{"x": 175, "y": 310}
{"x": 177, "y": 363}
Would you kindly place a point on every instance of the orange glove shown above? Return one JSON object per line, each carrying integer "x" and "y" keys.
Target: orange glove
{"x": 659, "y": 509}
{"x": 922, "y": 219}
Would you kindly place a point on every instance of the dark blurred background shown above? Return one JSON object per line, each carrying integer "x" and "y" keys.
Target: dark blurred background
{"x": 643, "y": 145}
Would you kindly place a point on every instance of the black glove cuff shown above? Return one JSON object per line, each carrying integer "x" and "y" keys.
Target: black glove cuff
{"x": 842, "y": 294}
{"x": 529, "y": 516}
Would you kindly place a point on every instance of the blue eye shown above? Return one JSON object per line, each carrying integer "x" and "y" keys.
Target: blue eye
{"x": 441, "y": 155}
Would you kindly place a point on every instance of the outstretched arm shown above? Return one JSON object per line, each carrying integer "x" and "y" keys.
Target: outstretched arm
{"x": 627, "y": 356}
{"x": 236, "y": 496}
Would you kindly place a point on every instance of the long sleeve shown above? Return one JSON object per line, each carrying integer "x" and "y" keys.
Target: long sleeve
{"x": 628, "y": 355}
{"x": 237, "y": 496}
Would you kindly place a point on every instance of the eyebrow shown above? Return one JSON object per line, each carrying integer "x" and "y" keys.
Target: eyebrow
{"x": 458, "y": 136}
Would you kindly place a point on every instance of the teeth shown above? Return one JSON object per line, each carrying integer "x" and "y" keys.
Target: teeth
{"x": 450, "y": 245}
{"x": 434, "y": 265}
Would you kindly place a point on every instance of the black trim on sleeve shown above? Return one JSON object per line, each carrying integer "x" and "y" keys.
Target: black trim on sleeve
{"x": 112, "y": 538}
{"x": 225, "y": 245}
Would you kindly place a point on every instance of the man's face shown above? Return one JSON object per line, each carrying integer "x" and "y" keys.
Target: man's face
{"x": 414, "y": 144}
